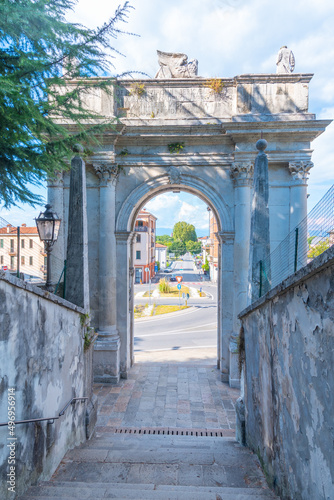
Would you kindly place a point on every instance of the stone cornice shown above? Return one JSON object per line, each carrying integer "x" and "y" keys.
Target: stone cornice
{"x": 225, "y": 237}
{"x": 123, "y": 236}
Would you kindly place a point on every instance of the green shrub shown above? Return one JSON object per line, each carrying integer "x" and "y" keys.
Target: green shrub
{"x": 164, "y": 286}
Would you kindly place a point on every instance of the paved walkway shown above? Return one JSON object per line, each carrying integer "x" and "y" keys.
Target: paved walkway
{"x": 164, "y": 395}
{"x": 147, "y": 444}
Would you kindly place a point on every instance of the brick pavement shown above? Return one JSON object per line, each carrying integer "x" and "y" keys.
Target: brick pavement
{"x": 168, "y": 395}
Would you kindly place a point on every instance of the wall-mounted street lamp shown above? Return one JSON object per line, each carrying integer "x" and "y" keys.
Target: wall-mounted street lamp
{"x": 48, "y": 224}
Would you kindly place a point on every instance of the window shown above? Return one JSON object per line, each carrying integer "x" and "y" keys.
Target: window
{"x": 31, "y": 261}
{"x": 31, "y": 243}
{"x": 140, "y": 223}
{"x": 1, "y": 243}
{"x": 138, "y": 239}
{"x": 1, "y": 259}
{"x": 22, "y": 243}
{"x": 22, "y": 260}
{"x": 138, "y": 254}
{"x": 12, "y": 246}
{"x": 12, "y": 262}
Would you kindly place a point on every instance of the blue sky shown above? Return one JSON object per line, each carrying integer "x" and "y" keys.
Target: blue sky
{"x": 229, "y": 38}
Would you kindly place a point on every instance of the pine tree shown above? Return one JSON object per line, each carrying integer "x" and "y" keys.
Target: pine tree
{"x": 39, "y": 52}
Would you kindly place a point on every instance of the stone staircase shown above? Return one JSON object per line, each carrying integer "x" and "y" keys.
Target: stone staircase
{"x": 160, "y": 467}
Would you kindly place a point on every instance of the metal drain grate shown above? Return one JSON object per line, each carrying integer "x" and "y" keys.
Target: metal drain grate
{"x": 167, "y": 431}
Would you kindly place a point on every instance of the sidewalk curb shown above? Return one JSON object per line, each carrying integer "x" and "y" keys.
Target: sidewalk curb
{"x": 176, "y": 313}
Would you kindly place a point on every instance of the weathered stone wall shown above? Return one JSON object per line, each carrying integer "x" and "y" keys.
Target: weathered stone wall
{"x": 289, "y": 381}
{"x": 42, "y": 357}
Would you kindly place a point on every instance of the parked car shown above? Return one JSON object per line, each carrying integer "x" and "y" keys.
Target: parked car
{"x": 172, "y": 278}
{"x": 168, "y": 270}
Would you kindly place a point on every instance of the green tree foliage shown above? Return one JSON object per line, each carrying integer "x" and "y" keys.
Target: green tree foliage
{"x": 184, "y": 232}
{"x": 206, "y": 266}
{"x": 39, "y": 52}
{"x": 178, "y": 248}
{"x": 318, "y": 249}
{"x": 164, "y": 239}
{"x": 194, "y": 247}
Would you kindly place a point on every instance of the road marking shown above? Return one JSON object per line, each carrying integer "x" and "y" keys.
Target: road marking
{"x": 193, "y": 310}
{"x": 180, "y": 349}
{"x": 174, "y": 332}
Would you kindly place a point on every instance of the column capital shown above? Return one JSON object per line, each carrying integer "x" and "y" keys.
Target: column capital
{"x": 225, "y": 237}
{"x": 106, "y": 172}
{"x": 56, "y": 180}
{"x": 242, "y": 173}
{"x": 300, "y": 170}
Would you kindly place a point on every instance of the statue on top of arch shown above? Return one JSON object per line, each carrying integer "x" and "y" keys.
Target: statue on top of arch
{"x": 175, "y": 65}
{"x": 285, "y": 61}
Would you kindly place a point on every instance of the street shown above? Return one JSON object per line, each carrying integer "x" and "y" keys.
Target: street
{"x": 194, "y": 328}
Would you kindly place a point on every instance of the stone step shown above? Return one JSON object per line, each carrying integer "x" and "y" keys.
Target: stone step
{"x": 80, "y": 490}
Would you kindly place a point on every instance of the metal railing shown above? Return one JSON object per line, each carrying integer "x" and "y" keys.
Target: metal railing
{"x": 310, "y": 238}
{"x": 141, "y": 229}
{"x": 49, "y": 419}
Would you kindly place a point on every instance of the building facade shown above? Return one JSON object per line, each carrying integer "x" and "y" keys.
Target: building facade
{"x": 144, "y": 247}
{"x": 213, "y": 245}
{"x": 161, "y": 255}
{"x": 23, "y": 253}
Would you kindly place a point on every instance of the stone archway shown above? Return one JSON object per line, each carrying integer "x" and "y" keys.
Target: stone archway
{"x": 124, "y": 243}
{"x": 218, "y": 133}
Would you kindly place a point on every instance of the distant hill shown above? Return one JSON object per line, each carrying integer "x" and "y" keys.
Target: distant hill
{"x": 168, "y": 230}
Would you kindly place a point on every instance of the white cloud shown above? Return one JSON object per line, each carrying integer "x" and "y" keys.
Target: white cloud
{"x": 170, "y": 208}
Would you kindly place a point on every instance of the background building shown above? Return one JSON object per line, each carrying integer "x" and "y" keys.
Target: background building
{"x": 27, "y": 251}
{"x": 161, "y": 255}
{"x": 144, "y": 246}
{"x": 213, "y": 245}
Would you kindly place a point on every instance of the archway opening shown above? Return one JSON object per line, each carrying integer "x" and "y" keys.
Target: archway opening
{"x": 175, "y": 261}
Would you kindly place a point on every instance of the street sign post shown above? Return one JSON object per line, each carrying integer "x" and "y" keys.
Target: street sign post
{"x": 179, "y": 286}
{"x": 147, "y": 269}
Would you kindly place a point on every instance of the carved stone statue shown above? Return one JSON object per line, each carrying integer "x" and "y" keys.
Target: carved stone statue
{"x": 285, "y": 60}
{"x": 173, "y": 65}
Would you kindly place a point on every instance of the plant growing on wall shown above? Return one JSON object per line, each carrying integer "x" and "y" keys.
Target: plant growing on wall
{"x": 137, "y": 89}
{"x": 124, "y": 152}
{"x": 175, "y": 147}
{"x": 215, "y": 85}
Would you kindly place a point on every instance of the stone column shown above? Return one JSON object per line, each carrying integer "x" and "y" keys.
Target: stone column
{"x": 219, "y": 309}
{"x": 226, "y": 295}
{"x": 106, "y": 350}
{"x": 300, "y": 170}
{"x": 56, "y": 200}
{"x": 131, "y": 297}
{"x": 242, "y": 175}
{"x": 123, "y": 253}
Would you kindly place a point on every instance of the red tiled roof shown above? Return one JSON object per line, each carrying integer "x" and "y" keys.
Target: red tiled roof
{"x": 23, "y": 230}
{"x": 158, "y": 245}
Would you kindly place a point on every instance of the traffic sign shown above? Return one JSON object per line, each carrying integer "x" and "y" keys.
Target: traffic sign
{"x": 178, "y": 279}
{"x": 183, "y": 295}
{"x": 147, "y": 269}
{"x": 155, "y": 269}
{"x": 188, "y": 296}
{"x": 4, "y": 268}
{"x": 179, "y": 286}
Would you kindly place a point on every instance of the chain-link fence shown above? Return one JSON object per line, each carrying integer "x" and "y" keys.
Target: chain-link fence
{"x": 310, "y": 238}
